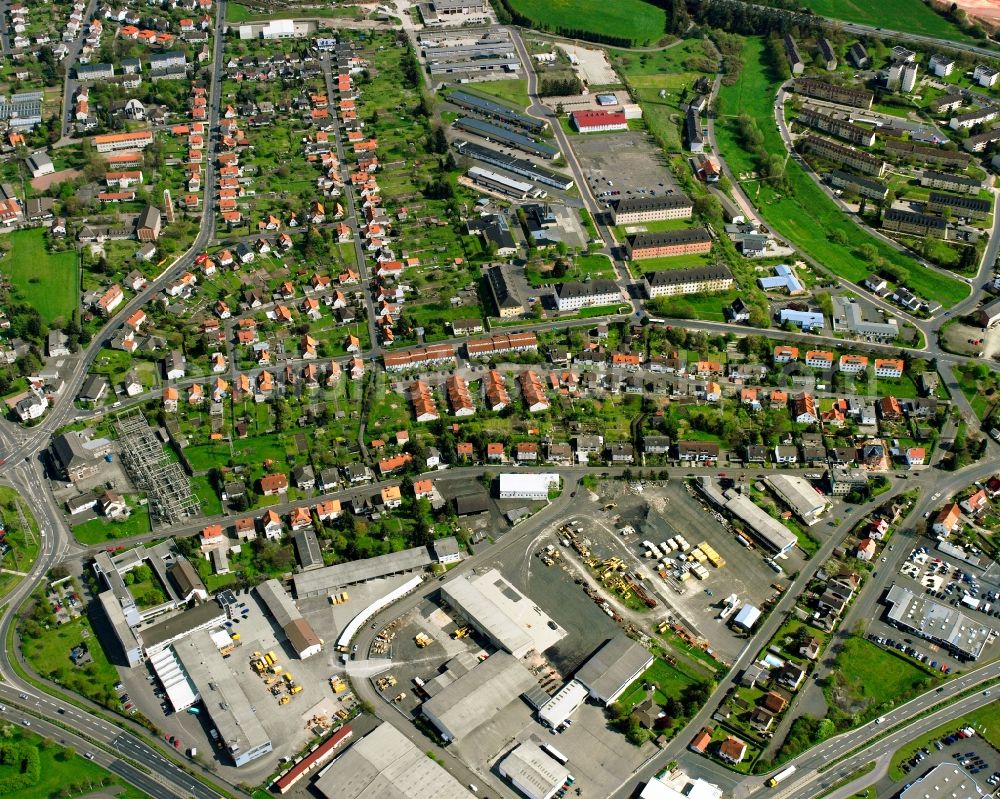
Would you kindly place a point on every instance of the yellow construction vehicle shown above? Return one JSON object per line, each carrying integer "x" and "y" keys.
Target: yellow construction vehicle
{"x": 288, "y": 676}
{"x": 461, "y": 632}
{"x": 295, "y": 689}
{"x": 338, "y": 685}
{"x": 422, "y": 640}
{"x": 269, "y": 681}
{"x": 284, "y": 700}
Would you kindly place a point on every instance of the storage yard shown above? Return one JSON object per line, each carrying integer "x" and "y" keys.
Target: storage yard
{"x": 613, "y": 530}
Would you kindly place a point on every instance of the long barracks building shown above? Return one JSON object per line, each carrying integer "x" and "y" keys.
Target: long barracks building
{"x": 844, "y": 95}
{"x": 845, "y": 129}
{"x": 697, "y": 280}
{"x": 845, "y": 156}
{"x": 668, "y": 243}
{"x": 651, "y": 209}
{"x": 908, "y": 151}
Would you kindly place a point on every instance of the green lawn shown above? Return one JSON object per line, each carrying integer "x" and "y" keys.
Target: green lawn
{"x": 909, "y": 16}
{"x": 46, "y": 281}
{"x": 23, "y": 543}
{"x": 48, "y": 654}
{"x": 639, "y": 22}
{"x": 669, "y": 682}
{"x": 514, "y": 91}
{"x": 806, "y": 216}
{"x": 61, "y": 772}
{"x": 97, "y": 531}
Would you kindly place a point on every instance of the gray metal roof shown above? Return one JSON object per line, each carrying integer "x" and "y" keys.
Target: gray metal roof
{"x": 359, "y": 571}
{"x": 612, "y": 667}
{"x": 478, "y": 695}
{"x": 223, "y": 697}
{"x": 386, "y": 765}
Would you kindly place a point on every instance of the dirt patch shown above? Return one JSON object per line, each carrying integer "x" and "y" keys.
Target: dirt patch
{"x": 986, "y": 10}
{"x": 591, "y": 66}
{"x": 43, "y": 183}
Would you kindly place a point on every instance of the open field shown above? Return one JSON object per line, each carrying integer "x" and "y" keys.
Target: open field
{"x": 48, "y": 654}
{"x": 902, "y": 15}
{"x": 635, "y": 20}
{"x": 870, "y": 679}
{"x": 46, "y": 281}
{"x": 673, "y": 71}
{"x": 805, "y": 215}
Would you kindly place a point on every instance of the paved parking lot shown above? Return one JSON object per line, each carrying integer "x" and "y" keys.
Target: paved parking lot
{"x": 934, "y": 575}
{"x": 973, "y": 754}
{"x": 623, "y": 162}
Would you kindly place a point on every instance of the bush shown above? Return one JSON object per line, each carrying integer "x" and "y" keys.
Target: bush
{"x": 23, "y": 757}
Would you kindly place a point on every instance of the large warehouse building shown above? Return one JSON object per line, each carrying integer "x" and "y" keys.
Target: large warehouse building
{"x": 509, "y": 619}
{"x": 613, "y": 668}
{"x": 534, "y": 773}
{"x": 525, "y": 485}
{"x": 946, "y": 781}
{"x": 799, "y": 495}
{"x": 299, "y": 632}
{"x": 760, "y": 524}
{"x": 386, "y": 765}
{"x": 323, "y": 581}
{"x": 223, "y": 698}
{"x": 477, "y": 696}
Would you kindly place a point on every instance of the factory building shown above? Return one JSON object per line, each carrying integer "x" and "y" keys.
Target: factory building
{"x": 501, "y": 613}
{"x": 240, "y": 731}
{"x": 526, "y": 486}
{"x": 387, "y": 765}
{"x": 477, "y": 696}
{"x": 613, "y": 667}
{"x": 799, "y": 495}
{"x": 944, "y": 781}
{"x": 761, "y": 525}
{"x": 323, "y": 581}
{"x": 517, "y": 166}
